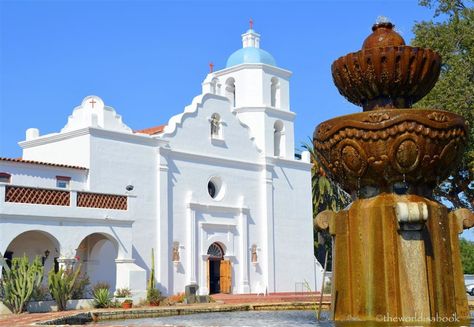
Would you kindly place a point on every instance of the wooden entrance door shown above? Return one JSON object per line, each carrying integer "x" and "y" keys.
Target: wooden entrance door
{"x": 225, "y": 276}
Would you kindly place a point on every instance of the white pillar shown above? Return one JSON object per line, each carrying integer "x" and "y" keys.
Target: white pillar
{"x": 269, "y": 229}
{"x": 191, "y": 246}
{"x": 244, "y": 251}
{"x": 203, "y": 282}
{"x": 163, "y": 252}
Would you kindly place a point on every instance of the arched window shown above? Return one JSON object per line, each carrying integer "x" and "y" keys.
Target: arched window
{"x": 230, "y": 90}
{"x": 215, "y": 126}
{"x": 215, "y": 86}
{"x": 278, "y": 139}
{"x": 275, "y": 93}
{"x": 215, "y": 251}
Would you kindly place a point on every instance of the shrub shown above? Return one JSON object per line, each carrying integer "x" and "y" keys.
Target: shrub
{"x": 102, "y": 298}
{"x": 173, "y": 299}
{"x": 79, "y": 290}
{"x": 123, "y": 292}
{"x": 153, "y": 296}
{"x": 19, "y": 282}
{"x": 61, "y": 285}
{"x": 40, "y": 293}
{"x": 100, "y": 285}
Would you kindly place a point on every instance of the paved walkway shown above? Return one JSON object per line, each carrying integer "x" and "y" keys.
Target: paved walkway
{"x": 26, "y": 319}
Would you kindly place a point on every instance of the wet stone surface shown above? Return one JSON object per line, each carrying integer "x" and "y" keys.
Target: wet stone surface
{"x": 230, "y": 319}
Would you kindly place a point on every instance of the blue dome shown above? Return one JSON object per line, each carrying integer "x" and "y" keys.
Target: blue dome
{"x": 250, "y": 55}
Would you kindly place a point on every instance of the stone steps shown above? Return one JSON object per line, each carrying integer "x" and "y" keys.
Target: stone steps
{"x": 270, "y": 298}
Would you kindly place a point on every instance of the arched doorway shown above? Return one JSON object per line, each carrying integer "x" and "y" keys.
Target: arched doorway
{"x": 32, "y": 244}
{"x": 97, "y": 253}
{"x": 220, "y": 270}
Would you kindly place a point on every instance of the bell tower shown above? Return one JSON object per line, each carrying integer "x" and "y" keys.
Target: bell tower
{"x": 258, "y": 91}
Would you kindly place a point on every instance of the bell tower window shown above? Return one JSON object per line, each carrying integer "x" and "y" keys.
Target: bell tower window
{"x": 275, "y": 93}
{"x": 230, "y": 90}
{"x": 278, "y": 139}
{"x": 215, "y": 86}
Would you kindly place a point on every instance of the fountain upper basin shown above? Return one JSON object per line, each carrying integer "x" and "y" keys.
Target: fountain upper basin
{"x": 381, "y": 148}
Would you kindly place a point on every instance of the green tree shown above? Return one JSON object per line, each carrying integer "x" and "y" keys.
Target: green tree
{"x": 326, "y": 195}
{"x": 467, "y": 255}
{"x": 451, "y": 34}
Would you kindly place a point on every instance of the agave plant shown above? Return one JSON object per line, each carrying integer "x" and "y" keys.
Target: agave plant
{"x": 102, "y": 298}
{"x": 61, "y": 285}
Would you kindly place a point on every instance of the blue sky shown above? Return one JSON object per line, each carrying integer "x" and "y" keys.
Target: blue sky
{"x": 147, "y": 59}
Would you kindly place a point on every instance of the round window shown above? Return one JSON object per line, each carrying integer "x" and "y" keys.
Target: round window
{"x": 215, "y": 188}
{"x": 211, "y": 188}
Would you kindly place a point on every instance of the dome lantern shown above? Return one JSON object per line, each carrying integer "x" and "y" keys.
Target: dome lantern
{"x": 250, "y": 52}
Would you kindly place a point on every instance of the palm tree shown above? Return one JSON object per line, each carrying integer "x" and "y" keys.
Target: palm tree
{"x": 326, "y": 195}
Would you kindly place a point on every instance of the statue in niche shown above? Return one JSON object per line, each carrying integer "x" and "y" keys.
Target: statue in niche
{"x": 176, "y": 252}
{"x": 215, "y": 125}
{"x": 254, "y": 258}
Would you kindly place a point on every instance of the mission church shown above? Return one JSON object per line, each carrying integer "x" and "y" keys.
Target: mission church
{"x": 217, "y": 191}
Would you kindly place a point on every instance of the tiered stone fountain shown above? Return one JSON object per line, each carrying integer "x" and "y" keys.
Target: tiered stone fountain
{"x": 396, "y": 250}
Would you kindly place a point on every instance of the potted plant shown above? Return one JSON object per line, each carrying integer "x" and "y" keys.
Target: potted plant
{"x": 123, "y": 292}
{"x": 127, "y": 304}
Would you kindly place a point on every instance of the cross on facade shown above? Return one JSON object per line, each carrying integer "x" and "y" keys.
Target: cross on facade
{"x": 92, "y": 102}
{"x": 251, "y": 23}
{"x": 211, "y": 67}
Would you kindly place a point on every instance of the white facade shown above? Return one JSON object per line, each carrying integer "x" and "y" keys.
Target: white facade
{"x": 222, "y": 172}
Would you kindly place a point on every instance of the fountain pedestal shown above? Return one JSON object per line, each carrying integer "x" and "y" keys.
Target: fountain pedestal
{"x": 395, "y": 250}
{"x": 397, "y": 256}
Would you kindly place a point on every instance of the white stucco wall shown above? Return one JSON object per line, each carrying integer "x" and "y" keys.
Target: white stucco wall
{"x": 26, "y": 174}
{"x": 293, "y": 225}
{"x": 71, "y": 148}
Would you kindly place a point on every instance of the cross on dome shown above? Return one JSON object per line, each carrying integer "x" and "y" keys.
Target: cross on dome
{"x": 251, "y": 38}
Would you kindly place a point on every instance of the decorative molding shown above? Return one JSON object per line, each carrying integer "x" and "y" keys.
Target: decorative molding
{"x": 101, "y": 221}
{"x": 217, "y": 159}
{"x": 216, "y": 207}
{"x": 114, "y": 135}
{"x": 267, "y": 68}
{"x": 124, "y": 260}
{"x": 218, "y": 223}
{"x": 272, "y": 112}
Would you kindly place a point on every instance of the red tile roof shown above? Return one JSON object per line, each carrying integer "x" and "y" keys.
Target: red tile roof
{"x": 152, "y": 130}
{"x": 20, "y": 160}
